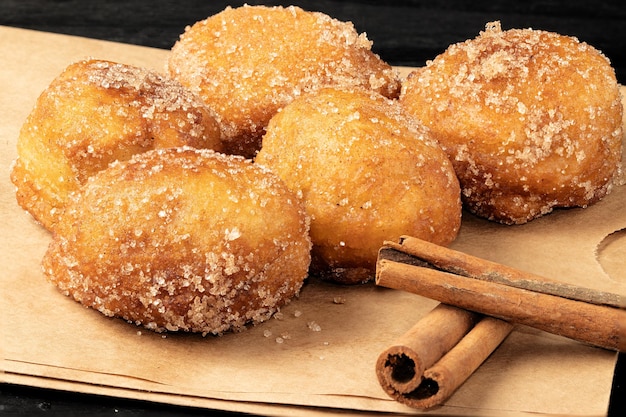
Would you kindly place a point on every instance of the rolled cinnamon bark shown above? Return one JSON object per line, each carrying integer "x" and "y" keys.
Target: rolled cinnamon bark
{"x": 596, "y": 324}
{"x": 400, "y": 367}
{"x": 463, "y": 264}
{"x": 425, "y": 366}
{"x": 447, "y": 375}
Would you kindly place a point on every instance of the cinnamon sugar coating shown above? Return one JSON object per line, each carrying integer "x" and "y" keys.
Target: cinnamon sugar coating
{"x": 250, "y": 61}
{"x": 96, "y": 112}
{"x": 367, "y": 173}
{"x": 182, "y": 239}
{"x": 532, "y": 120}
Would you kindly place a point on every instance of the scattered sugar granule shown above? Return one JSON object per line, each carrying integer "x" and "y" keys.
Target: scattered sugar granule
{"x": 267, "y": 333}
{"x": 297, "y": 313}
{"x": 339, "y": 300}
{"x": 313, "y": 326}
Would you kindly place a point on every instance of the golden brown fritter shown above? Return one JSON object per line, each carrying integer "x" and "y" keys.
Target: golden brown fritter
{"x": 250, "y": 61}
{"x": 96, "y": 112}
{"x": 182, "y": 239}
{"x": 367, "y": 173}
{"x": 530, "y": 119}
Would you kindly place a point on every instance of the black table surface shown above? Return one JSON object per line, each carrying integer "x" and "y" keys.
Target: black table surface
{"x": 407, "y": 32}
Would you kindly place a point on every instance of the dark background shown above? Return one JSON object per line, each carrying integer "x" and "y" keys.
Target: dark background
{"x": 407, "y": 32}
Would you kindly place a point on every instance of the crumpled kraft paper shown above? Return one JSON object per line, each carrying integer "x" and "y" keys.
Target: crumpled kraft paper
{"x": 319, "y": 354}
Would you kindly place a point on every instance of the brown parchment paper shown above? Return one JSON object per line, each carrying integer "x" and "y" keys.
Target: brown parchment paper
{"x": 318, "y": 356}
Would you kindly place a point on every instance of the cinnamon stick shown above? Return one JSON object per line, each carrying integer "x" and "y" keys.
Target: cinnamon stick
{"x": 425, "y": 366}
{"x": 463, "y": 264}
{"x": 401, "y": 366}
{"x": 589, "y": 317}
{"x": 460, "y": 363}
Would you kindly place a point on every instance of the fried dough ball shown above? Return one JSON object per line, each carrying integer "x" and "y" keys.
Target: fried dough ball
{"x": 367, "y": 173}
{"x": 250, "y": 61}
{"x": 182, "y": 239}
{"x": 530, "y": 119}
{"x": 96, "y": 112}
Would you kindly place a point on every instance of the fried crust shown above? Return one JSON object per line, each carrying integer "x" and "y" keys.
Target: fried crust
{"x": 367, "y": 173}
{"x": 96, "y": 112}
{"x": 182, "y": 239}
{"x": 250, "y": 61}
{"x": 532, "y": 120}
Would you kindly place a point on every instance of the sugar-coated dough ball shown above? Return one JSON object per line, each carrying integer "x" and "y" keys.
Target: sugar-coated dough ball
{"x": 249, "y": 61}
{"x": 366, "y": 172}
{"x": 532, "y": 120}
{"x": 94, "y": 113}
{"x": 182, "y": 239}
